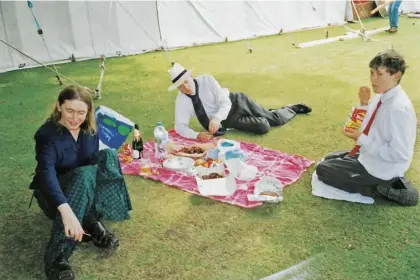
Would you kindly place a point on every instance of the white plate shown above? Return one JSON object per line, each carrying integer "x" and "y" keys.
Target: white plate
{"x": 178, "y": 163}
{"x": 191, "y": 155}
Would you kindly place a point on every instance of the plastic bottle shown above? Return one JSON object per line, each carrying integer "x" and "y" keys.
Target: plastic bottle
{"x": 161, "y": 141}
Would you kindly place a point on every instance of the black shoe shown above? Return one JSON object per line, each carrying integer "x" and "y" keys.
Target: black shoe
{"x": 400, "y": 191}
{"x": 99, "y": 234}
{"x": 61, "y": 270}
{"x": 102, "y": 237}
{"x": 301, "y": 108}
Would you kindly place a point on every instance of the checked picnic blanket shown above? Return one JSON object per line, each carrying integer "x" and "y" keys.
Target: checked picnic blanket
{"x": 285, "y": 167}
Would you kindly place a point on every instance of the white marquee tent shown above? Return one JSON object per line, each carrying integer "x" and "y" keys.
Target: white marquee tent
{"x": 88, "y": 29}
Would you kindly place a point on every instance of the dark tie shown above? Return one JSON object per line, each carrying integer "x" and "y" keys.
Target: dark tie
{"x": 201, "y": 113}
{"x": 366, "y": 130}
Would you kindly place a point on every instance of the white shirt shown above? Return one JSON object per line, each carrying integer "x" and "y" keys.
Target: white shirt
{"x": 216, "y": 103}
{"x": 386, "y": 152}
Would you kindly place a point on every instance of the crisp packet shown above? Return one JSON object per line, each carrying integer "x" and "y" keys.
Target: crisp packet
{"x": 267, "y": 189}
{"x": 355, "y": 119}
{"x": 127, "y": 151}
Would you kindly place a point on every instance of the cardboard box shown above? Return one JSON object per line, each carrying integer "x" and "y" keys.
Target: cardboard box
{"x": 215, "y": 187}
{"x": 363, "y": 8}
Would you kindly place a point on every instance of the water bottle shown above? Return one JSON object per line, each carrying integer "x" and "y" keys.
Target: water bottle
{"x": 161, "y": 141}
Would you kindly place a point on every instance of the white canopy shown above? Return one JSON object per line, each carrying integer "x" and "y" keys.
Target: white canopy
{"x": 88, "y": 29}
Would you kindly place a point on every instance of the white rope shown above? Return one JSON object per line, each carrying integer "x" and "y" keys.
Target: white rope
{"x": 98, "y": 90}
{"x": 357, "y": 13}
{"x": 49, "y": 55}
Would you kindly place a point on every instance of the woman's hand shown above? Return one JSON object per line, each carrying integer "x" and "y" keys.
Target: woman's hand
{"x": 72, "y": 227}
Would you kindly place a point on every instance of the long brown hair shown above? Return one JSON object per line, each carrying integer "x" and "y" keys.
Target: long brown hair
{"x": 74, "y": 92}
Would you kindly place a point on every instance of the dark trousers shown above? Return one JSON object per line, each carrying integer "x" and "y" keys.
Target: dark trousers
{"x": 346, "y": 173}
{"x": 248, "y": 116}
{"x": 90, "y": 190}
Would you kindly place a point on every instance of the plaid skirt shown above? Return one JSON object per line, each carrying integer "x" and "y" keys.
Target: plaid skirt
{"x": 91, "y": 191}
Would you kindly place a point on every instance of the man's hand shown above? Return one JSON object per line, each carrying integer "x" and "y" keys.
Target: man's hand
{"x": 214, "y": 126}
{"x": 352, "y": 133}
{"x": 204, "y": 137}
{"x": 364, "y": 95}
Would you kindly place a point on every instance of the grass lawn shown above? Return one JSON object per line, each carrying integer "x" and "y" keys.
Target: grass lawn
{"x": 176, "y": 235}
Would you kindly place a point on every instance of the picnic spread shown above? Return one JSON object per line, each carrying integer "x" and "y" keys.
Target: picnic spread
{"x": 235, "y": 172}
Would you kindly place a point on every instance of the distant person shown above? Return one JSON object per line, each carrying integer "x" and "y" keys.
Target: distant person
{"x": 393, "y": 13}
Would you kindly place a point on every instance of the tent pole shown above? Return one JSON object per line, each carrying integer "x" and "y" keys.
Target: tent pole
{"x": 357, "y": 13}
{"x": 162, "y": 45}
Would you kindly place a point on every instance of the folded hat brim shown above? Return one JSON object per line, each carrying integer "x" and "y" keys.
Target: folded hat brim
{"x": 180, "y": 80}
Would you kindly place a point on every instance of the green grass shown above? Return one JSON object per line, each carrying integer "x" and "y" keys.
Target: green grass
{"x": 176, "y": 235}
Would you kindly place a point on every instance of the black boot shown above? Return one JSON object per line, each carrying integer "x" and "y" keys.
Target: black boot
{"x": 61, "y": 270}
{"x": 301, "y": 108}
{"x": 99, "y": 234}
{"x": 297, "y": 108}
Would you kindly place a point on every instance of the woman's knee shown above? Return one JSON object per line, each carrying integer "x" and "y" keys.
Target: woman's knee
{"x": 108, "y": 165}
{"x": 83, "y": 170}
{"x": 84, "y": 175}
{"x": 79, "y": 180}
{"x": 107, "y": 153}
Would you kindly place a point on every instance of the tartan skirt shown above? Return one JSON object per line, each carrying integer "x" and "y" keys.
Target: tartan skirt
{"x": 90, "y": 190}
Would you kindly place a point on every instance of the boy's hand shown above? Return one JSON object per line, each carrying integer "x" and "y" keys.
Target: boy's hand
{"x": 352, "y": 133}
{"x": 364, "y": 95}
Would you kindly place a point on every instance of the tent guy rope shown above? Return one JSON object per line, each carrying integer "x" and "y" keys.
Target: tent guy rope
{"x": 41, "y": 33}
{"x": 40, "y": 63}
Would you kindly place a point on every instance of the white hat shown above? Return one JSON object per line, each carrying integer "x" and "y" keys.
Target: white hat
{"x": 178, "y": 75}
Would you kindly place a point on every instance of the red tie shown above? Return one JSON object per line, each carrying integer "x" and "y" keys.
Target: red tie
{"x": 366, "y": 130}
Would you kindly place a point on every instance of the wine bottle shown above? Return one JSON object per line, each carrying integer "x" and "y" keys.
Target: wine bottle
{"x": 137, "y": 143}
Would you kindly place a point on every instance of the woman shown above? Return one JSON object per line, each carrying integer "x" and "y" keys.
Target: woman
{"x": 75, "y": 184}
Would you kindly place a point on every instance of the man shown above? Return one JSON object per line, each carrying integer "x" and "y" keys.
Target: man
{"x": 384, "y": 144}
{"x": 393, "y": 13}
{"x": 217, "y": 109}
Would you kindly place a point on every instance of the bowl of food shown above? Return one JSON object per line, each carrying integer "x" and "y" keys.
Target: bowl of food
{"x": 191, "y": 152}
{"x": 213, "y": 181}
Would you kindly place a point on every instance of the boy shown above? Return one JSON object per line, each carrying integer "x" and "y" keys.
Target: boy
{"x": 384, "y": 144}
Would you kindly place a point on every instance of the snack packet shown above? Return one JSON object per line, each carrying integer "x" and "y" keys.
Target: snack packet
{"x": 267, "y": 189}
{"x": 355, "y": 119}
{"x": 127, "y": 151}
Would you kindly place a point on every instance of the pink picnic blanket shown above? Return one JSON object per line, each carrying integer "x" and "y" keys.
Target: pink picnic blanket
{"x": 285, "y": 167}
